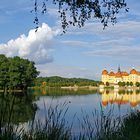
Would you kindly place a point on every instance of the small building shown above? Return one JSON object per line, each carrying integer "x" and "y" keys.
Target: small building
{"x": 44, "y": 83}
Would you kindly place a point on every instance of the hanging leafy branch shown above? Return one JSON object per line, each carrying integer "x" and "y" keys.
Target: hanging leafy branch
{"x": 77, "y": 12}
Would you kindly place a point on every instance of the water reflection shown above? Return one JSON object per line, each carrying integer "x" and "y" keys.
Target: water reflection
{"x": 17, "y": 108}
{"x": 120, "y": 97}
{"x": 62, "y": 92}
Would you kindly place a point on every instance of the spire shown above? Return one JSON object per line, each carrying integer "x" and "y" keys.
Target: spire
{"x": 119, "y": 69}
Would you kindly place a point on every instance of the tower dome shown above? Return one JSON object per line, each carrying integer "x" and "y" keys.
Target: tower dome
{"x": 118, "y": 74}
{"x": 125, "y": 73}
{"x": 111, "y": 73}
{"x": 133, "y": 71}
{"x": 104, "y": 72}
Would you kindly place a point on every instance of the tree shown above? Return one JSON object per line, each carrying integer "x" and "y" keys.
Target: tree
{"x": 123, "y": 84}
{"x": 31, "y": 73}
{"x": 120, "y": 84}
{"x": 80, "y": 11}
{"x": 101, "y": 83}
{"x": 16, "y": 72}
{"x": 60, "y": 81}
{"x": 4, "y": 71}
{"x": 127, "y": 83}
{"x": 131, "y": 84}
{"x": 137, "y": 84}
{"x": 107, "y": 84}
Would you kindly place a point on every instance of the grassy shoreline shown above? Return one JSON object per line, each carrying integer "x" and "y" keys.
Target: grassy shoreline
{"x": 79, "y": 87}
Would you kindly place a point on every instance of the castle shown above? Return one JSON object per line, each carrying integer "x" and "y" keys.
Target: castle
{"x": 120, "y": 76}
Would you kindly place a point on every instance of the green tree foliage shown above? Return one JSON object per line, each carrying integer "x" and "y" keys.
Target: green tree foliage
{"x": 4, "y": 71}
{"x": 131, "y": 83}
{"x": 107, "y": 84}
{"x": 121, "y": 84}
{"x": 101, "y": 83}
{"x": 127, "y": 83}
{"x": 137, "y": 84}
{"x": 77, "y": 12}
{"x": 16, "y": 108}
{"x": 16, "y": 72}
{"x": 56, "y": 81}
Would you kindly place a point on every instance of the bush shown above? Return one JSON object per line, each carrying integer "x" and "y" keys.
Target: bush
{"x": 137, "y": 84}
{"x": 107, "y": 84}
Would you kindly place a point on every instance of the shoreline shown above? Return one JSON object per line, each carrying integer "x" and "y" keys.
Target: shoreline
{"x": 81, "y": 87}
{"x": 17, "y": 91}
{"x": 121, "y": 88}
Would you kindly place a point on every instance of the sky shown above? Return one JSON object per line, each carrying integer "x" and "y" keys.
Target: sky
{"x": 83, "y": 52}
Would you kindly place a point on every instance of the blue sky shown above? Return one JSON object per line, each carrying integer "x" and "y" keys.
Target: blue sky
{"x": 81, "y": 52}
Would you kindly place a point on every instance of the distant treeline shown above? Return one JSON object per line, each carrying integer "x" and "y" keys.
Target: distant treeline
{"x": 16, "y": 73}
{"x": 56, "y": 81}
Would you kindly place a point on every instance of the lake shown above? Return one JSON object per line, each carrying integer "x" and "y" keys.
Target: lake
{"x": 78, "y": 103}
{"x": 81, "y": 102}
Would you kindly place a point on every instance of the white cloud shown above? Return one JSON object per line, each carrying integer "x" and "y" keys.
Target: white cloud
{"x": 126, "y": 29}
{"x": 36, "y": 46}
{"x": 120, "y": 41}
{"x": 126, "y": 54}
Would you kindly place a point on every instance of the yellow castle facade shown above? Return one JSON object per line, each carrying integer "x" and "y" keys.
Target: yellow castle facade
{"x": 114, "y": 97}
{"x": 120, "y": 76}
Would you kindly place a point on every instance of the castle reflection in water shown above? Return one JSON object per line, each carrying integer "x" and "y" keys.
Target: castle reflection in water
{"x": 120, "y": 97}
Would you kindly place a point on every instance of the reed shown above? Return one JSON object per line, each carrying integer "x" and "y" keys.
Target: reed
{"x": 99, "y": 125}
{"x": 53, "y": 128}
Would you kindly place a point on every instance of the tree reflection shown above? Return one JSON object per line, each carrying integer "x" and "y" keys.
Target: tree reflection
{"x": 61, "y": 92}
{"x": 16, "y": 108}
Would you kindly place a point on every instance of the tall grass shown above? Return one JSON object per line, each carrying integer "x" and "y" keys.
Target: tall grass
{"x": 99, "y": 125}
{"x": 130, "y": 128}
{"x": 53, "y": 128}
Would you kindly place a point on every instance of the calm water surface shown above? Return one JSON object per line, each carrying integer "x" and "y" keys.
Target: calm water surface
{"x": 84, "y": 102}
